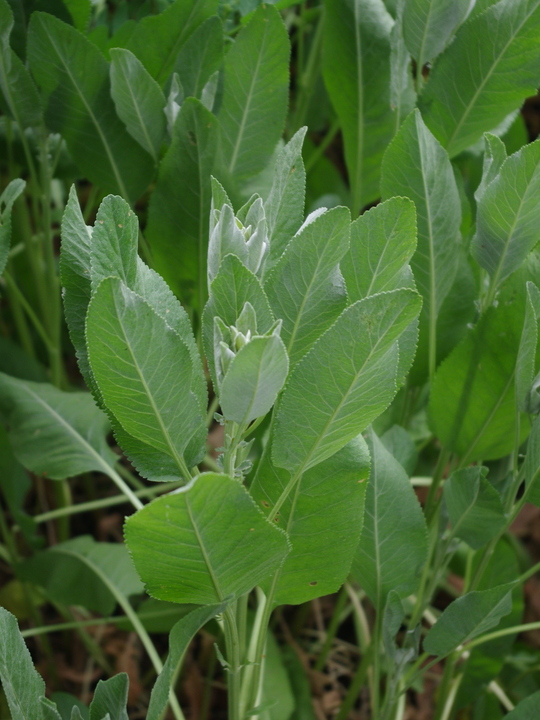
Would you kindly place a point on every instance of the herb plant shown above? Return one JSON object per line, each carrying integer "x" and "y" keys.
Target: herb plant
{"x": 354, "y": 346}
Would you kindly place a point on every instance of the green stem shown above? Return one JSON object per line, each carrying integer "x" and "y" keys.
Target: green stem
{"x": 21, "y": 324}
{"x": 431, "y": 501}
{"x": 109, "y": 502}
{"x": 376, "y": 663}
{"x": 308, "y": 78}
{"x": 36, "y": 322}
{"x": 232, "y": 645}
{"x": 322, "y": 147}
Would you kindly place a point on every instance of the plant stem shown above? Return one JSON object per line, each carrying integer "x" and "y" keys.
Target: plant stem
{"x": 359, "y": 680}
{"x": 233, "y": 658}
{"x": 429, "y": 509}
{"x": 36, "y": 322}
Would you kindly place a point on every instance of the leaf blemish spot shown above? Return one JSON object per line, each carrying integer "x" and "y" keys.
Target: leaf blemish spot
{"x": 313, "y": 582}
{"x": 265, "y": 503}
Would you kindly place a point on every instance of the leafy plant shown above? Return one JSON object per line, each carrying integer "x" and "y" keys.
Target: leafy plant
{"x": 346, "y": 351}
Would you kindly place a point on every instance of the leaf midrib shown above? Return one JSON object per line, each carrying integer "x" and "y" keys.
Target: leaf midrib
{"x": 102, "y": 137}
{"x": 486, "y": 79}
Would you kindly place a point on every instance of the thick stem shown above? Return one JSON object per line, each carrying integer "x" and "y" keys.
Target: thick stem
{"x": 232, "y": 645}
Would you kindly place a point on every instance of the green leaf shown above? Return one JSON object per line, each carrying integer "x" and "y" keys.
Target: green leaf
{"x": 114, "y": 252}
{"x": 277, "y": 698}
{"x": 526, "y": 385}
{"x": 84, "y": 572}
{"x": 139, "y": 101}
{"x": 49, "y": 711}
{"x": 346, "y": 380}
{"x": 322, "y": 518}
{"x": 305, "y": 288}
{"x": 157, "y": 39}
{"x": 179, "y": 639}
{"x": 80, "y": 11}
{"x": 204, "y": 544}
{"x": 75, "y": 278}
{"x": 284, "y": 206}
{"x": 494, "y": 158}
{"x": 180, "y": 204}
{"x": 21, "y": 683}
{"x": 402, "y": 92}
{"x": 525, "y": 710}
{"x": 472, "y": 403}
{"x": 232, "y": 287}
{"x": 55, "y": 433}
{"x": 73, "y": 77}
{"x": 401, "y": 446}
{"x": 492, "y": 65}
{"x": 474, "y": 506}
{"x": 200, "y": 57}
{"x": 356, "y": 69}
{"x": 110, "y": 697}
{"x": 15, "y": 484}
{"x": 255, "y": 94}
{"x": 416, "y": 166}
{"x": 143, "y": 370}
{"x": 383, "y": 241}
{"x": 508, "y": 220}
{"x": 68, "y": 705}
{"x": 429, "y": 24}
{"x": 7, "y": 198}
{"x": 253, "y": 380}
{"x": 393, "y": 543}
{"x": 468, "y": 617}
{"x": 20, "y": 93}
{"x": 532, "y": 465}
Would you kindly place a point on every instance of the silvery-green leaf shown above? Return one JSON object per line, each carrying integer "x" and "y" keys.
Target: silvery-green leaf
{"x": 508, "y": 219}
{"x": 526, "y": 384}
{"x": 345, "y": 381}
{"x": 254, "y": 379}
{"x": 305, "y": 288}
{"x": 110, "y": 698}
{"x": 494, "y": 157}
{"x": 7, "y": 198}
{"x": 143, "y": 370}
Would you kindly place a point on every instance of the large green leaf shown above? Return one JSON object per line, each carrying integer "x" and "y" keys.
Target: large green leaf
{"x": 393, "y": 543}
{"x": 429, "y": 24}
{"x": 383, "y": 241}
{"x": 143, "y": 369}
{"x": 467, "y": 617}
{"x": 204, "y": 544}
{"x": 492, "y": 65}
{"x": 114, "y": 252}
{"x": 110, "y": 698}
{"x": 284, "y": 206}
{"x": 21, "y": 683}
{"x": 7, "y": 198}
{"x": 254, "y": 379}
{"x": 416, "y": 166}
{"x": 84, "y": 572}
{"x": 20, "y": 93}
{"x": 157, "y": 39}
{"x": 402, "y": 92}
{"x": 255, "y": 94}
{"x": 356, "y": 68}
{"x": 508, "y": 219}
{"x": 233, "y": 286}
{"x": 55, "y": 433}
{"x": 305, "y": 288}
{"x": 179, "y": 639}
{"x": 322, "y": 517}
{"x": 472, "y": 402}
{"x": 73, "y": 77}
{"x": 180, "y": 204}
{"x": 139, "y": 101}
{"x": 345, "y": 382}
{"x": 474, "y": 506}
